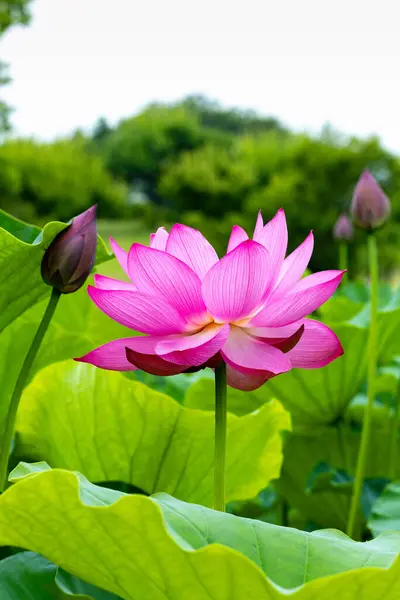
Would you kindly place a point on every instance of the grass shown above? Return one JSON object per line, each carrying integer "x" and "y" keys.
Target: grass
{"x": 125, "y": 233}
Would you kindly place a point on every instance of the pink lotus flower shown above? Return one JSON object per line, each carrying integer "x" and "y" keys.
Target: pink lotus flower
{"x": 247, "y": 308}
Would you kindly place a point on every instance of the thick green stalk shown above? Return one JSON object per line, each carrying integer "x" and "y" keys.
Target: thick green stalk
{"x": 220, "y": 437}
{"x": 5, "y": 443}
{"x": 343, "y": 256}
{"x": 372, "y": 359}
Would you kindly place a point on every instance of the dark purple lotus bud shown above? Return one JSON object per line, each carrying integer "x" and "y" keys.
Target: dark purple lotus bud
{"x": 370, "y": 206}
{"x": 343, "y": 229}
{"x": 70, "y": 257}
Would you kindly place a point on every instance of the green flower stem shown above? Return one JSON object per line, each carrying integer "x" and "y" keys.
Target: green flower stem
{"x": 220, "y": 437}
{"x": 372, "y": 359}
{"x": 343, "y": 256}
{"x": 393, "y": 440}
{"x": 5, "y": 443}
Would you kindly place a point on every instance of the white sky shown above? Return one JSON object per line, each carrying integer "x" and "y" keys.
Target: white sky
{"x": 307, "y": 62}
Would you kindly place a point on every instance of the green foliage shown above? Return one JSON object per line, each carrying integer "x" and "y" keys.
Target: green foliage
{"x": 28, "y": 575}
{"x": 386, "y": 510}
{"x": 212, "y": 179}
{"x": 205, "y": 553}
{"x": 230, "y": 120}
{"x": 24, "y": 573}
{"x": 4, "y": 108}
{"x": 336, "y": 447}
{"x": 12, "y": 12}
{"x": 141, "y": 149}
{"x": 138, "y": 148}
{"x": 60, "y": 179}
{"x": 121, "y": 430}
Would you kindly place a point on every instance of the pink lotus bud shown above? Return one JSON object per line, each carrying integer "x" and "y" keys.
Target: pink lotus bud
{"x": 370, "y": 206}
{"x": 343, "y": 229}
{"x": 70, "y": 257}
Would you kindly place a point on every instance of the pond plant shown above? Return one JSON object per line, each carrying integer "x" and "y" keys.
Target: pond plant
{"x": 224, "y": 422}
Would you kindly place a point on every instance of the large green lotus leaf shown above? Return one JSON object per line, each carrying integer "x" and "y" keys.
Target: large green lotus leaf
{"x": 338, "y": 448}
{"x": 385, "y": 514}
{"x": 21, "y": 252}
{"x": 59, "y": 344}
{"x": 388, "y": 326}
{"x": 29, "y": 576}
{"x": 388, "y": 332}
{"x": 202, "y": 395}
{"x": 340, "y": 308}
{"x": 162, "y": 549}
{"x": 318, "y": 397}
{"x": 109, "y": 428}
{"x": 174, "y": 386}
{"x": 359, "y": 292}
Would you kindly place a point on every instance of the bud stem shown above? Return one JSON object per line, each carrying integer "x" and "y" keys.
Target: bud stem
{"x": 220, "y": 437}
{"x": 354, "y": 518}
{"x": 343, "y": 256}
{"x": 5, "y": 444}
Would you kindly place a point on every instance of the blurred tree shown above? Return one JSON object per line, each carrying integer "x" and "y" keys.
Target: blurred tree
{"x": 211, "y": 179}
{"x": 56, "y": 180}
{"x": 101, "y": 131}
{"x": 139, "y": 147}
{"x": 12, "y": 12}
{"x": 234, "y": 121}
{"x": 4, "y": 108}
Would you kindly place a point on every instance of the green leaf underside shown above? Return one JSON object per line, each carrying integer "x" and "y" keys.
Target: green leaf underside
{"x": 22, "y": 285}
{"x": 21, "y": 230}
{"x": 388, "y": 326}
{"x": 337, "y": 447}
{"x": 113, "y": 429}
{"x": 160, "y": 548}
{"x": 29, "y": 576}
{"x": 386, "y": 510}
